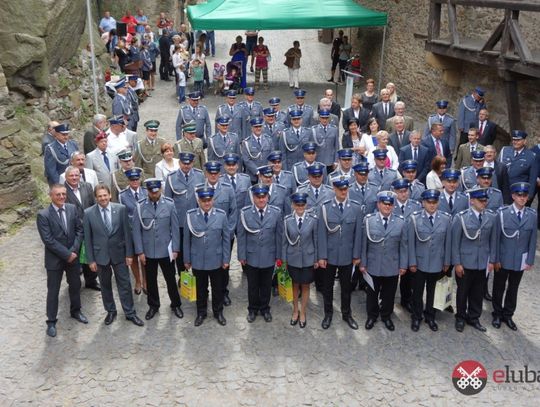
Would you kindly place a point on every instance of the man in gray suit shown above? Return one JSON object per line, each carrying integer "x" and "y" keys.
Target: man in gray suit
{"x": 156, "y": 236}
{"x": 339, "y": 242}
{"x": 207, "y": 249}
{"x": 101, "y": 161}
{"x": 61, "y": 232}
{"x": 107, "y": 237}
{"x": 384, "y": 257}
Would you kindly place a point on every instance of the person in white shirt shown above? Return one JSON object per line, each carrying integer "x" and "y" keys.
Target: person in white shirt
{"x": 168, "y": 164}
{"x": 391, "y": 156}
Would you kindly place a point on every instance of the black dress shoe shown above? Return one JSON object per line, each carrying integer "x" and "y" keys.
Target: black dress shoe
{"x": 326, "y": 322}
{"x": 275, "y": 292}
{"x": 93, "y": 286}
{"x": 432, "y": 325}
{"x": 221, "y": 319}
{"x": 136, "y": 320}
{"x": 226, "y": 300}
{"x": 389, "y": 325}
{"x": 511, "y": 324}
{"x": 110, "y": 317}
{"x": 51, "y": 329}
{"x": 487, "y": 296}
{"x": 351, "y": 322}
{"x": 294, "y": 321}
{"x": 150, "y": 313}
{"x": 496, "y": 322}
{"x": 199, "y": 320}
{"x": 302, "y": 324}
{"x": 415, "y": 325}
{"x": 251, "y": 316}
{"x": 460, "y": 325}
{"x": 79, "y": 316}
{"x": 407, "y": 306}
{"x": 267, "y": 316}
{"x": 178, "y": 312}
{"x": 477, "y": 325}
{"x": 370, "y": 323}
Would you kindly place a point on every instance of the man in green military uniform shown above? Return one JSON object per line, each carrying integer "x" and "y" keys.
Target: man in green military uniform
{"x": 190, "y": 143}
{"x": 148, "y": 150}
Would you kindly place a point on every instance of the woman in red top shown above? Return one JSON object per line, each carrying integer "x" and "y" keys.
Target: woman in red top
{"x": 261, "y": 54}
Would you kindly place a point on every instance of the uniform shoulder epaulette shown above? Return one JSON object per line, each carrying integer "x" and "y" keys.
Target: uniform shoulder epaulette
{"x": 222, "y": 105}
{"x": 219, "y": 210}
{"x": 532, "y": 210}
{"x": 184, "y": 107}
{"x": 326, "y": 202}
{"x": 246, "y": 208}
{"x": 242, "y": 175}
{"x": 197, "y": 170}
{"x": 416, "y": 182}
{"x": 311, "y": 212}
{"x": 400, "y": 217}
{"x": 496, "y": 189}
{"x": 192, "y": 210}
{"x": 166, "y": 198}
{"x": 449, "y": 115}
{"x": 286, "y": 172}
{"x": 274, "y": 208}
{"x": 462, "y": 194}
{"x": 416, "y": 212}
{"x": 290, "y": 215}
{"x": 141, "y": 200}
{"x": 463, "y": 212}
{"x": 414, "y": 201}
{"x": 226, "y": 184}
{"x": 202, "y": 106}
{"x": 490, "y": 211}
{"x": 445, "y": 214}
{"x": 326, "y": 186}
{"x": 391, "y": 170}
{"x": 354, "y": 202}
{"x": 302, "y": 187}
{"x": 370, "y": 215}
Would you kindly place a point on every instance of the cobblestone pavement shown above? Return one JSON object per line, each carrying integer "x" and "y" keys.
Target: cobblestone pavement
{"x": 169, "y": 361}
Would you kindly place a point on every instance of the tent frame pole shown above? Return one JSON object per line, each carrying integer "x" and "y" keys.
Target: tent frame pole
{"x": 381, "y": 61}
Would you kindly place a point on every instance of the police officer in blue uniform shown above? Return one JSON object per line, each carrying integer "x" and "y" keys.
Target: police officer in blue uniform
{"x": 251, "y": 108}
{"x": 516, "y": 232}
{"x": 307, "y": 112}
{"x": 520, "y": 161}
{"x": 408, "y": 170}
{"x": 271, "y": 127}
{"x": 474, "y": 246}
{"x": 194, "y": 112}
{"x": 234, "y": 111}
{"x": 339, "y": 244}
{"x": 255, "y": 149}
{"x": 468, "y": 174}
{"x": 277, "y": 194}
{"x": 281, "y": 116}
{"x": 468, "y": 111}
{"x": 133, "y": 103}
{"x": 223, "y": 141}
{"x": 452, "y": 201}
{"x": 58, "y": 153}
{"x": 448, "y": 122}
{"x": 299, "y": 169}
{"x": 155, "y": 230}
{"x": 380, "y": 175}
{"x": 292, "y": 140}
{"x": 207, "y": 250}
{"x": 326, "y": 137}
{"x": 259, "y": 234}
{"x": 344, "y": 168}
{"x": 180, "y": 187}
{"x": 281, "y": 177}
{"x": 363, "y": 191}
{"x": 384, "y": 257}
{"x": 429, "y": 241}
{"x": 484, "y": 177}
{"x": 300, "y": 252}
{"x": 121, "y": 105}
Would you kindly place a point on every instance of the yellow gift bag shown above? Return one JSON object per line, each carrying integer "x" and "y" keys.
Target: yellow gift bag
{"x": 188, "y": 286}
{"x": 284, "y": 283}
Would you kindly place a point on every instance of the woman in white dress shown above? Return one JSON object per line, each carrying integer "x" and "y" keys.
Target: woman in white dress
{"x": 369, "y": 141}
{"x": 168, "y": 164}
{"x": 433, "y": 178}
{"x": 391, "y": 156}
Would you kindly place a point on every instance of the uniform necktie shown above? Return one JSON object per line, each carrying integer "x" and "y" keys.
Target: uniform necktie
{"x": 298, "y": 133}
{"x": 66, "y": 149}
{"x": 155, "y": 206}
{"x": 382, "y": 173}
{"x": 516, "y": 153}
{"x": 385, "y": 222}
{"x": 451, "y": 203}
{"x": 195, "y": 111}
{"x": 277, "y": 179}
{"x": 233, "y": 182}
{"x": 136, "y": 196}
{"x": 519, "y": 216}
{"x": 187, "y": 178}
{"x": 403, "y": 209}
{"x": 480, "y": 218}
{"x": 62, "y": 220}
{"x": 440, "y": 119}
{"x": 415, "y": 154}
{"x": 316, "y": 193}
{"x": 324, "y": 129}
{"x": 431, "y": 219}
{"x": 341, "y": 207}
{"x": 261, "y": 214}
{"x": 232, "y": 111}
{"x": 271, "y": 128}
{"x": 363, "y": 189}
{"x": 106, "y": 220}
{"x": 206, "y": 217}
{"x": 299, "y": 223}
{"x": 438, "y": 147}
{"x": 250, "y": 107}
{"x": 106, "y": 160}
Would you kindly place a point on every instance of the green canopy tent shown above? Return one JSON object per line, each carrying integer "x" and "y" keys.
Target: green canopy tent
{"x": 284, "y": 14}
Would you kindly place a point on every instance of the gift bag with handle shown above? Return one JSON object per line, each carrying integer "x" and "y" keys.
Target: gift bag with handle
{"x": 188, "y": 286}
{"x": 284, "y": 283}
{"x": 443, "y": 294}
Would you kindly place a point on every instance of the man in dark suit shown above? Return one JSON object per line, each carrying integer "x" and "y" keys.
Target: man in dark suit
{"x": 436, "y": 145}
{"x": 400, "y": 137}
{"x": 487, "y": 130}
{"x": 335, "y": 108}
{"x": 356, "y": 111}
{"x": 417, "y": 152}
{"x": 383, "y": 110}
{"x": 81, "y": 194}
{"x": 61, "y": 232}
{"x": 109, "y": 247}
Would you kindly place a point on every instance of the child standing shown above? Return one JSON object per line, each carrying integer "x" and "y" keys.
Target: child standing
{"x": 197, "y": 72}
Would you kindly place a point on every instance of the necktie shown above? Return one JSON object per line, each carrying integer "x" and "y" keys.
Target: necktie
{"x": 431, "y": 220}
{"x": 440, "y": 119}
{"x": 316, "y": 193}
{"x": 363, "y": 189}
{"x": 385, "y": 222}
{"x": 195, "y": 111}
{"x": 155, "y": 206}
{"x": 225, "y": 140}
{"x": 258, "y": 140}
{"x": 232, "y": 111}
{"x": 400, "y": 136}
{"x": 271, "y": 128}
{"x": 187, "y": 178}
{"x": 106, "y": 160}
{"x": 385, "y": 108}
{"x": 403, "y": 209}
{"x": 415, "y": 154}
{"x": 298, "y": 133}
{"x": 519, "y": 216}
{"x": 82, "y": 175}
{"x": 136, "y": 196}
{"x": 62, "y": 220}
{"x": 438, "y": 147}
{"x": 324, "y": 129}
{"x": 261, "y": 214}
{"x": 233, "y": 183}
{"x": 480, "y": 218}
{"x": 277, "y": 179}
{"x": 66, "y": 150}
{"x": 516, "y": 153}
{"x": 106, "y": 220}
{"x": 472, "y": 148}
{"x": 382, "y": 173}
{"x": 341, "y": 207}
{"x": 481, "y": 130}
{"x": 250, "y": 107}
{"x": 206, "y": 217}
{"x": 451, "y": 203}
{"x": 299, "y": 223}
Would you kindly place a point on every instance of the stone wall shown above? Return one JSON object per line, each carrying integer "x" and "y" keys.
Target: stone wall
{"x": 421, "y": 78}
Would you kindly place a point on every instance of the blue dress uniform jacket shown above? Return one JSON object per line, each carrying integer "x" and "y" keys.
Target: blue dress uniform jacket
{"x": 416, "y": 190}
{"x": 327, "y": 140}
{"x": 516, "y": 238}
{"x": 282, "y": 117}
{"x": 339, "y": 173}
{"x": 473, "y": 245}
{"x": 429, "y": 246}
{"x": 127, "y": 198}
{"x": 254, "y": 155}
{"x": 308, "y": 119}
{"x": 468, "y": 111}
{"x": 522, "y": 168}
{"x": 217, "y": 147}
{"x": 121, "y": 105}
{"x": 461, "y": 202}
{"x": 325, "y": 193}
{"x": 200, "y": 116}
{"x": 259, "y": 243}
{"x": 449, "y": 125}
{"x": 384, "y": 251}
{"x": 207, "y": 246}
{"x": 56, "y": 159}
{"x": 340, "y": 234}
{"x": 291, "y": 143}
{"x": 277, "y": 196}
{"x": 256, "y": 110}
{"x": 237, "y": 123}
{"x": 134, "y": 107}
{"x": 368, "y": 199}
{"x": 300, "y": 245}
{"x": 385, "y": 182}
{"x": 153, "y": 230}
{"x": 495, "y": 199}
{"x": 410, "y": 206}
{"x": 299, "y": 171}
{"x": 274, "y": 131}
{"x": 243, "y": 182}
{"x": 225, "y": 199}
{"x": 182, "y": 193}
{"x": 286, "y": 179}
